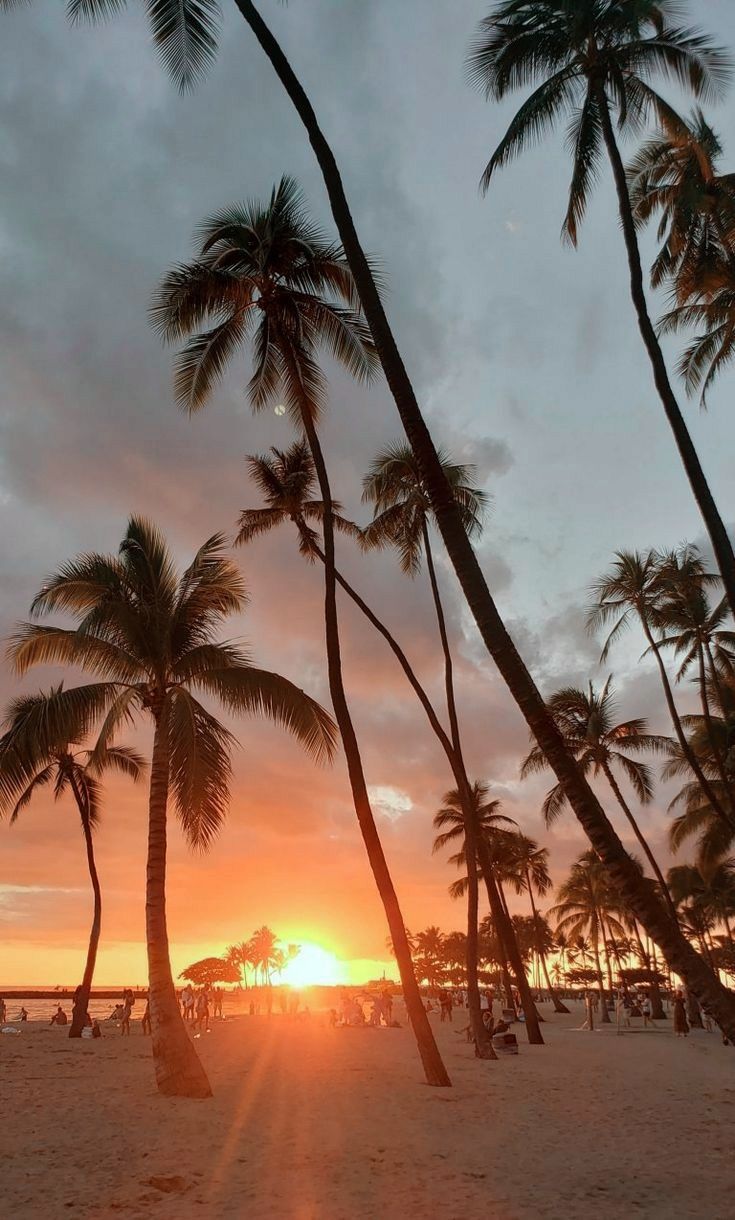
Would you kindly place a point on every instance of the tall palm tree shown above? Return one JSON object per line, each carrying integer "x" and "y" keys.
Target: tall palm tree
{"x": 532, "y": 863}
{"x": 712, "y": 893}
{"x": 402, "y": 514}
{"x": 240, "y": 956}
{"x": 266, "y": 275}
{"x": 286, "y": 480}
{"x": 589, "y": 725}
{"x": 187, "y": 37}
{"x": 149, "y": 633}
{"x": 429, "y": 946}
{"x": 42, "y": 748}
{"x": 451, "y": 822}
{"x": 675, "y": 174}
{"x": 633, "y": 588}
{"x": 595, "y": 61}
{"x": 585, "y": 906}
{"x": 264, "y": 952}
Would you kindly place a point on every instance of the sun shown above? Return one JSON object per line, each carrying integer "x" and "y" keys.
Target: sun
{"x": 315, "y": 966}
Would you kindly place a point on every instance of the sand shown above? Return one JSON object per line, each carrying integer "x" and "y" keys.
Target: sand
{"x": 312, "y": 1123}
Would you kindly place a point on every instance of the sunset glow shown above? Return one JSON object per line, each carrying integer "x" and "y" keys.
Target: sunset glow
{"x": 315, "y": 966}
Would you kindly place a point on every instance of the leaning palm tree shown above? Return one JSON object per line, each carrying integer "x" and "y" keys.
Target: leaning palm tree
{"x": 43, "y": 748}
{"x": 286, "y": 480}
{"x": 402, "y": 517}
{"x": 588, "y": 722}
{"x": 675, "y": 175}
{"x": 149, "y": 633}
{"x": 634, "y": 588}
{"x": 187, "y": 38}
{"x": 266, "y": 275}
{"x": 594, "y": 61}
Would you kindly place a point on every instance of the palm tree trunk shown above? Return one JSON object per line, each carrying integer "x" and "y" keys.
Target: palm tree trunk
{"x": 679, "y": 728}
{"x": 604, "y": 1014}
{"x": 509, "y": 946}
{"x": 81, "y": 1002}
{"x": 558, "y": 1005}
{"x": 483, "y": 1042}
{"x": 710, "y": 514}
{"x": 641, "y": 839}
{"x": 436, "y": 1073}
{"x": 178, "y": 1070}
{"x": 657, "y": 1007}
{"x": 588, "y": 810}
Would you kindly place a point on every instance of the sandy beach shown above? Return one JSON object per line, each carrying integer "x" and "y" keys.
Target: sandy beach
{"x": 313, "y": 1123}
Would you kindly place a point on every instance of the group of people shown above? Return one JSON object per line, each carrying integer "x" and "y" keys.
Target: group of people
{"x": 196, "y": 1005}
{"x": 352, "y": 1011}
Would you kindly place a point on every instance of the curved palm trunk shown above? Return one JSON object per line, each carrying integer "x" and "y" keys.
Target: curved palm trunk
{"x": 588, "y": 810}
{"x": 558, "y": 1005}
{"x": 679, "y": 728}
{"x": 178, "y": 1070}
{"x": 483, "y": 1042}
{"x": 641, "y": 839}
{"x": 509, "y": 946}
{"x": 81, "y": 1002}
{"x": 436, "y": 1073}
{"x": 697, "y": 480}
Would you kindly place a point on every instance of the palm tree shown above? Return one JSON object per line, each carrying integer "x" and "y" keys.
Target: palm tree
{"x": 633, "y": 587}
{"x": 150, "y": 635}
{"x": 532, "y": 863}
{"x": 264, "y": 952}
{"x": 402, "y": 512}
{"x": 711, "y": 895}
{"x": 286, "y": 480}
{"x": 266, "y": 274}
{"x": 592, "y": 61}
{"x": 41, "y": 749}
{"x": 675, "y": 175}
{"x": 588, "y": 723}
{"x": 584, "y": 908}
{"x": 187, "y": 38}
{"x": 241, "y": 957}
{"x": 429, "y": 946}
{"x": 451, "y": 822}
{"x": 712, "y": 316}
{"x": 687, "y": 623}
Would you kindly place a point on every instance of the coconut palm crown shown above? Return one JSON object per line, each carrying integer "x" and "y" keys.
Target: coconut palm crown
{"x": 265, "y": 276}
{"x": 402, "y": 507}
{"x": 585, "y": 61}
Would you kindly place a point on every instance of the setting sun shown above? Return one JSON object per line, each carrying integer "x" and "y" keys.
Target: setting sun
{"x": 314, "y": 966}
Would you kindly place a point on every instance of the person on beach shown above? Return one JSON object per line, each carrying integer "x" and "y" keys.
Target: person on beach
{"x": 126, "y": 1011}
{"x": 187, "y": 1003}
{"x": 22, "y": 1015}
{"x": 621, "y": 1011}
{"x": 445, "y": 1003}
{"x": 3, "y": 1011}
{"x": 646, "y": 1010}
{"x": 59, "y": 1017}
{"x": 146, "y": 1022}
{"x": 681, "y": 1025}
{"x": 387, "y": 999}
{"x": 96, "y": 1031}
{"x": 201, "y": 1017}
{"x": 589, "y": 1021}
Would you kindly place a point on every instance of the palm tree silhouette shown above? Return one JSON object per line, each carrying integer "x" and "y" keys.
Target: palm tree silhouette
{"x": 42, "y": 748}
{"x": 593, "y": 61}
{"x": 150, "y": 634}
{"x": 266, "y": 275}
{"x": 633, "y": 587}
{"x": 532, "y": 865}
{"x": 585, "y": 907}
{"x": 402, "y": 514}
{"x": 588, "y": 723}
{"x": 675, "y": 175}
{"x": 187, "y": 37}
